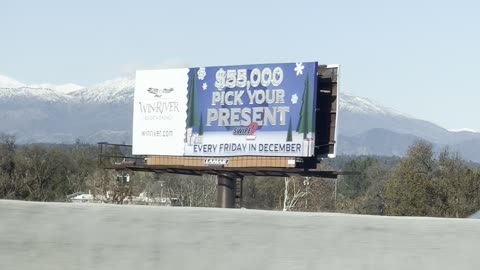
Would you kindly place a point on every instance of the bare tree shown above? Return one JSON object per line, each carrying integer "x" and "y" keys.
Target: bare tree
{"x": 193, "y": 191}
{"x": 295, "y": 189}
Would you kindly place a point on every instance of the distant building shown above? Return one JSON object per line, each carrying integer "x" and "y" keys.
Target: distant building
{"x": 155, "y": 199}
{"x": 80, "y": 197}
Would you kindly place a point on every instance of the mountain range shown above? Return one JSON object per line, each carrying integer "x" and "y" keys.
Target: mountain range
{"x": 48, "y": 113}
{"x": 366, "y": 127}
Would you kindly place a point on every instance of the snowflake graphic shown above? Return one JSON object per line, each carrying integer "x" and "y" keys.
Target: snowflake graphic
{"x": 294, "y": 99}
{"x": 299, "y": 68}
{"x": 201, "y": 73}
{"x": 204, "y": 86}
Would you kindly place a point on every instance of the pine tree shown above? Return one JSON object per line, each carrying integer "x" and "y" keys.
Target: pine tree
{"x": 192, "y": 105}
{"x": 289, "y": 134}
{"x": 305, "y": 123}
{"x": 200, "y": 128}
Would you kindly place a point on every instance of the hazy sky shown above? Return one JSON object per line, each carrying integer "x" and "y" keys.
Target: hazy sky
{"x": 419, "y": 57}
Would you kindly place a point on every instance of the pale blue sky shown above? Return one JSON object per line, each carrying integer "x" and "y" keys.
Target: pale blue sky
{"x": 419, "y": 57}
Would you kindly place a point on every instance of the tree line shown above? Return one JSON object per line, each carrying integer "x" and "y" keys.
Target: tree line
{"x": 420, "y": 184}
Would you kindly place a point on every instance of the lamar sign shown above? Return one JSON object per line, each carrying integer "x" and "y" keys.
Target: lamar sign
{"x": 249, "y": 110}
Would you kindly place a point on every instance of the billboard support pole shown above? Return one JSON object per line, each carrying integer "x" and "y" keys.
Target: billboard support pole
{"x": 226, "y": 191}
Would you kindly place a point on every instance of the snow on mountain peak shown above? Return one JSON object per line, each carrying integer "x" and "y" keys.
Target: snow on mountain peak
{"x": 115, "y": 85}
{"x": 25, "y": 92}
{"x": 462, "y": 130}
{"x": 116, "y": 90}
{"x": 63, "y": 88}
{"x": 363, "y": 105}
{"x": 6, "y": 82}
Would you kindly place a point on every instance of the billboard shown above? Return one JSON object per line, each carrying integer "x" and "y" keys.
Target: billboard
{"x": 245, "y": 110}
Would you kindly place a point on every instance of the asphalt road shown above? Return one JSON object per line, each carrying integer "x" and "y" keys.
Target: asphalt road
{"x": 85, "y": 236}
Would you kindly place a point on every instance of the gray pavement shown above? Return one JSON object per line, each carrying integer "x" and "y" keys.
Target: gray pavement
{"x": 93, "y": 236}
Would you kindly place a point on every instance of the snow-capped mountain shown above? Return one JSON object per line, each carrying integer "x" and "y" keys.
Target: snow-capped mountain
{"x": 103, "y": 112}
{"x": 358, "y": 115}
{"x": 118, "y": 90}
{"x": 63, "y": 113}
{"x": 367, "y": 127}
{"x": 25, "y": 93}
{"x": 361, "y": 105}
{"x": 9, "y": 83}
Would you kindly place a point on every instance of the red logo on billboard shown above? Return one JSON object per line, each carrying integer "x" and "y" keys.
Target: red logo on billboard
{"x": 248, "y": 131}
